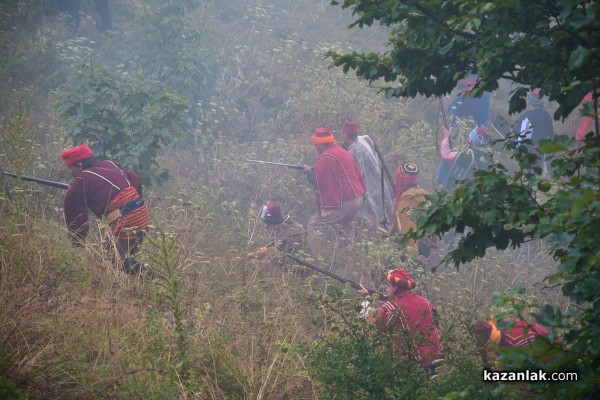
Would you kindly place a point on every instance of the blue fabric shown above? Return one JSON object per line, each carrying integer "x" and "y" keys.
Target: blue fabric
{"x": 442, "y": 174}
{"x": 430, "y": 369}
{"x": 478, "y": 108}
{"x": 478, "y": 140}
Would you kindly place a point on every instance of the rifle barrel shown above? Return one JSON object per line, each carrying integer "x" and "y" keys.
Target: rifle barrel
{"x": 497, "y": 131}
{"x": 443, "y": 112}
{"x": 293, "y": 166}
{"x": 46, "y": 182}
{"x": 352, "y": 283}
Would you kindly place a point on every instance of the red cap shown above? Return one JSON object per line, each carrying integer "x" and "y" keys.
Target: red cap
{"x": 400, "y": 278}
{"x": 272, "y": 215}
{"x": 75, "y": 154}
{"x": 322, "y": 136}
{"x": 350, "y": 127}
{"x": 483, "y": 131}
{"x": 406, "y": 176}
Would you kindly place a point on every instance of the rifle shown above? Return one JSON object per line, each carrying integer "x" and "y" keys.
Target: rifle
{"x": 443, "y": 114}
{"x": 293, "y": 166}
{"x": 46, "y": 182}
{"x": 391, "y": 180}
{"x": 352, "y": 283}
{"x": 443, "y": 163}
{"x": 497, "y": 131}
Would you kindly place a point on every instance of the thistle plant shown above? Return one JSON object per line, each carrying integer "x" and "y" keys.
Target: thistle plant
{"x": 164, "y": 258}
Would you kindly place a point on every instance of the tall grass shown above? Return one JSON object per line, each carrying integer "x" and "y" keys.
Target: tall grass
{"x": 213, "y": 323}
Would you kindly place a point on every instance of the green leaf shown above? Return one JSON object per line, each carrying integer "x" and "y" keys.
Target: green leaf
{"x": 578, "y": 58}
{"x": 584, "y": 199}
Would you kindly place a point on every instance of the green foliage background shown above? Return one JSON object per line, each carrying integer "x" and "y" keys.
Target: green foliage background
{"x": 238, "y": 80}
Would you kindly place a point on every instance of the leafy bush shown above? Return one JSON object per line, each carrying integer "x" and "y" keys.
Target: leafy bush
{"x": 125, "y": 118}
{"x": 351, "y": 360}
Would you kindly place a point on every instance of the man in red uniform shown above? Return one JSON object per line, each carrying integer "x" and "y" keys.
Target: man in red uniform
{"x": 586, "y": 125}
{"x": 488, "y": 336}
{"x": 340, "y": 188}
{"x": 111, "y": 192}
{"x": 409, "y": 319}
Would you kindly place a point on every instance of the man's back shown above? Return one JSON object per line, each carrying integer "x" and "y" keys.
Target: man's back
{"x": 373, "y": 209}
{"x": 408, "y": 201}
{"x": 366, "y": 141}
{"x": 100, "y": 184}
{"x": 337, "y": 177}
{"x": 535, "y": 124}
{"x": 410, "y": 319}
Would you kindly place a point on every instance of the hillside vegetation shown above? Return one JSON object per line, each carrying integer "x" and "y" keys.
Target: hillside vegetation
{"x": 215, "y": 323}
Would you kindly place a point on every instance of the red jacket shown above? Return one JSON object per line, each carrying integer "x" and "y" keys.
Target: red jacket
{"x": 337, "y": 178}
{"x": 95, "y": 192}
{"x": 409, "y": 318}
{"x": 584, "y": 127}
{"x": 522, "y": 334}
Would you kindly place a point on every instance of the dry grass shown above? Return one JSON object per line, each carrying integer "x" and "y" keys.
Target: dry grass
{"x": 73, "y": 326}
{"x": 76, "y": 326}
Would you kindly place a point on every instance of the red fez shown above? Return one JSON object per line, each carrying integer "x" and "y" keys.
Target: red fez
{"x": 483, "y": 131}
{"x": 322, "y": 136}
{"x": 272, "y": 214}
{"x": 400, "y": 278}
{"x": 350, "y": 127}
{"x": 76, "y": 154}
{"x": 406, "y": 176}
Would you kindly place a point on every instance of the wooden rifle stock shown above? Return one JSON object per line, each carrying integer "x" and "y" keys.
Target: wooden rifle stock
{"x": 352, "y": 283}
{"x": 46, "y": 182}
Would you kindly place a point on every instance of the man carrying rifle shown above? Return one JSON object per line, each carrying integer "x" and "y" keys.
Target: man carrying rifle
{"x": 112, "y": 193}
{"x": 408, "y": 319}
{"x": 340, "y": 189}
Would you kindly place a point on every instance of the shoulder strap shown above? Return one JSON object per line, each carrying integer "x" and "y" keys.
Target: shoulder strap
{"x": 119, "y": 170}
{"x": 395, "y": 314}
{"x": 101, "y": 177}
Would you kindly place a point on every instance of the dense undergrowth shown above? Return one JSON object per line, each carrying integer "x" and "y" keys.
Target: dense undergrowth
{"x": 215, "y": 323}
